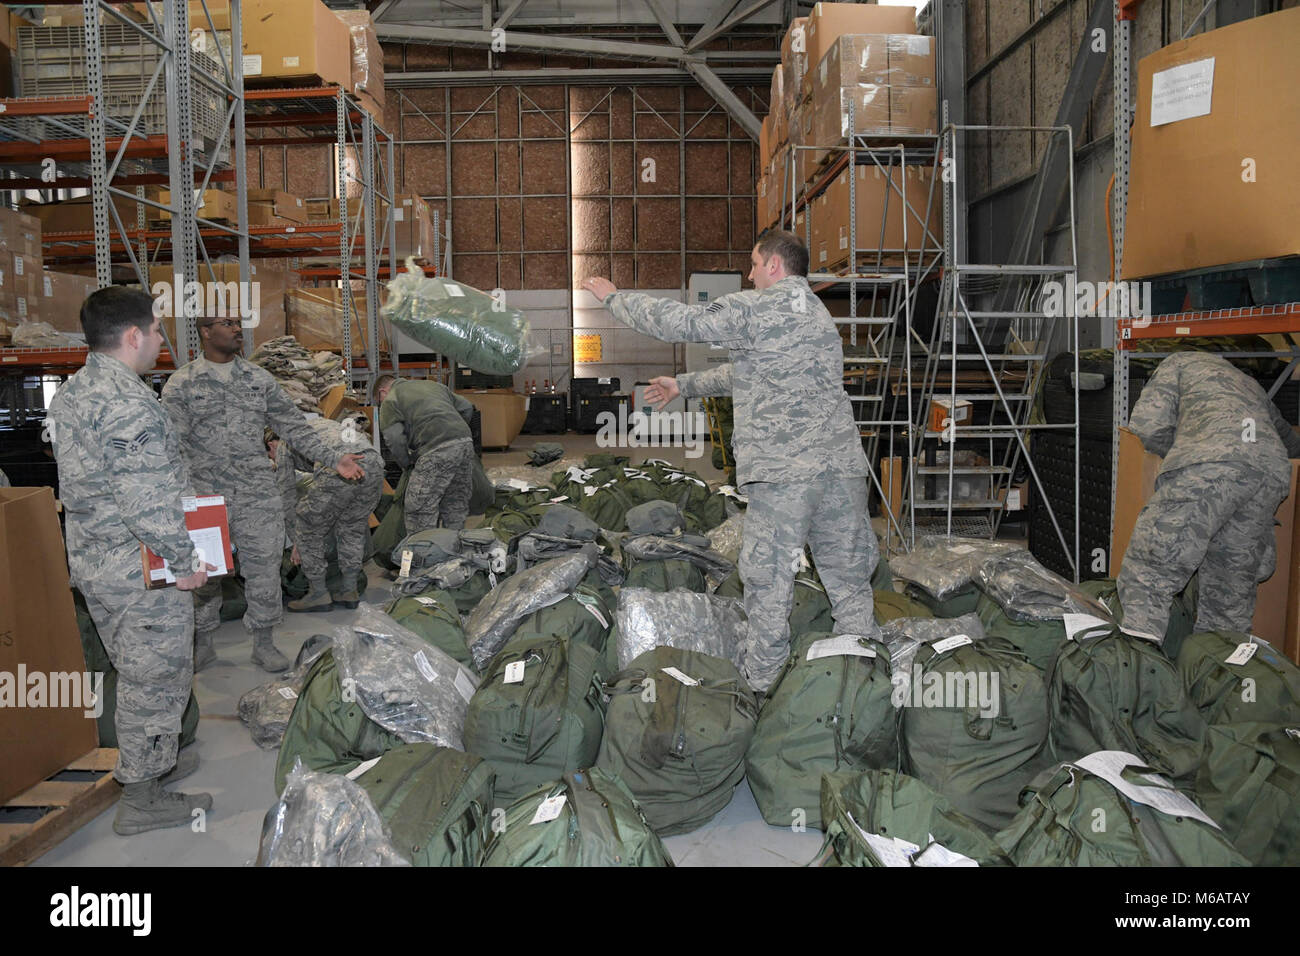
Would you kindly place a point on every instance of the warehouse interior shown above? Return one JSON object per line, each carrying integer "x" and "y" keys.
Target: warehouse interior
{"x": 1013, "y": 215}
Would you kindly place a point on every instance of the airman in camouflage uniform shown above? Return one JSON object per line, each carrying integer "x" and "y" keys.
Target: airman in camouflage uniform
{"x": 1225, "y": 472}
{"x": 221, "y": 405}
{"x": 121, "y": 480}
{"x": 799, "y": 457}
{"x": 334, "y": 504}
{"x": 426, "y": 427}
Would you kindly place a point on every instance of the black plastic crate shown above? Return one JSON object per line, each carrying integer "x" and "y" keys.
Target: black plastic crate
{"x": 467, "y": 378}
{"x": 547, "y": 415}
{"x": 588, "y": 409}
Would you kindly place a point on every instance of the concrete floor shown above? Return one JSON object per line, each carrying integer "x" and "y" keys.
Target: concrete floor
{"x": 239, "y": 775}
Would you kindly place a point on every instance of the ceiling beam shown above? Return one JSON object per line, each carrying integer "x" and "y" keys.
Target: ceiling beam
{"x": 377, "y": 10}
{"x": 556, "y": 43}
{"x": 503, "y": 21}
{"x": 664, "y": 76}
{"x": 665, "y": 22}
{"x": 715, "y": 17}
{"x": 723, "y": 94}
{"x": 708, "y": 33}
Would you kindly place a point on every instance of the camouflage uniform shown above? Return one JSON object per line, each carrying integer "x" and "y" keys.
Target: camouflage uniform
{"x": 121, "y": 479}
{"x": 427, "y": 425}
{"x": 221, "y": 425}
{"x": 798, "y": 454}
{"x": 1225, "y": 471}
{"x": 334, "y": 504}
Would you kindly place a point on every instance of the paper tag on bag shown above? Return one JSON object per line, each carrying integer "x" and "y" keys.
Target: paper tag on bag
{"x": 514, "y": 673}
{"x": 1076, "y": 624}
{"x": 361, "y": 768}
{"x": 1110, "y": 766}
{"x": 424, "y": 667}
{"x": 549, "y": 809}
{"x": 453, "y": 289}
{"x": 464, "y": 684}
{"x": 948, "y": 643}
{"x": 407, "y": 556}
{"x": 288, "y": 693}
{"x": 962, "y": 549}
{"x": 841, "y": 645}
{"x": 426, "y": 601}
{"x": 674, "y": 673}
{"x": 1243, "y": 653}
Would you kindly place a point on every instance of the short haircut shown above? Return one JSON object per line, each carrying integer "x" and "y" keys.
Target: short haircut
{"x": 778, "y": 242}
{"x": 106, "y": 314}
{"x": 384, "y": 380}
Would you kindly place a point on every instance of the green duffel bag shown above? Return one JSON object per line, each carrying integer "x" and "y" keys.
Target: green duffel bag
{"x": 963, "y": 601}
{"x": 667, "y": 575}
{"x": 979, "y": 753}
{"x": 1249, "y": 784}
{"x": 433, "y": 616}
{"x": 436, "y": 802}
{"x": 678, "y": 742}
{"x": 482, "y": 494}
{"x": 294, "y": 584}
{"x": 537, "y": 721}
{"x": 812, "y": 608}
{"x": 909, "y": 824}
{"x": 392, "y": 526}
{"x": 586, "y": 616}
{"x": 330, "y": 734}
{"x": 596, "y": 823}
{"x": 1071, "y": 816}
{"x": 608, "y": 507}
{"x": 1037, "y": 640}
{"x": 1111, "y": 691}
{"x": 233, "y": 602}
{"x": 1182, "y": 611}
{"x": 705, "y": 514}
{"x": 1232, "y": 677}
{"x": 890, "y": 606}
{"x": 830, "y": 710}
{"x": 604, "y": 459}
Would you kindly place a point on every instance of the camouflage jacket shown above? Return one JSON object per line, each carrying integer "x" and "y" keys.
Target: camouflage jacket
{"x": 120, "y": 471}
{"x": 418, "y": 415}
{"x": 1199, "y": 408}
{"x": 222, "y": 425}
{"x": 341, "y": 442}
{"x": 793, "y": 419}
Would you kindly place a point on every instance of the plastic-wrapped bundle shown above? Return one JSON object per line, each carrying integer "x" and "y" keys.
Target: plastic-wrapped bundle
{"x": 458, "y": 321}
{"x": 726, "y": 537}
{"x": 686, "y": 620}
{"x": 324, "y": 819}
{"x": 651, "y": 547}
{"x": 1027, "y": 591}
{"x": 942, "y": 566}
{"x": 495, "y": 617}
{"x": 522, "y": 477}
{"x": 404, "y": 684}
{"x": 535, "y": 547}
{"x": 266, "y": 709}
{"x": 904, "y": 635}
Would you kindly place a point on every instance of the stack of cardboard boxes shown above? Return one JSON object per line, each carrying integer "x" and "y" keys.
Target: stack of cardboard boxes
{"x": 20, "y": 268}
{"x": 850, "y": 69}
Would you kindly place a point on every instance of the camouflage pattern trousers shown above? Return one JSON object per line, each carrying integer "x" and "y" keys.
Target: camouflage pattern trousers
{"x": 440, "y": 486}
{"x": 149, "y": 636}
{"x": 1214, "y": 520}
{"x": 257, "y": 533}
{"x": 830, "y": 516}
{"x": 333, "y": 503}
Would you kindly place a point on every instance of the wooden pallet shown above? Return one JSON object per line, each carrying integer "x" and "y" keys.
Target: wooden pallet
{"x": 68, "y": 805}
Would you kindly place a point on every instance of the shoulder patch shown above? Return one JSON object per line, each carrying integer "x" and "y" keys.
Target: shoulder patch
{"x": 132, "y": 445}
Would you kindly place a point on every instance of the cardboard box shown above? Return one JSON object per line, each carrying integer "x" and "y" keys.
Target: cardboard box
{"x": 829, "y": 21}
{"x": 38, "y": 633}
{"x": 275, "y": 204}
{"x": 794, "y": 62}
{"x": 337, "y": 401}
{"x": 1194, "y": 201}
{"x": 765, "y": 140}
{"x": 911, "y": 60}
{"x": 214, "y": 204}
{"x": 941, "y": 409}
{"x": 412, "y": 228}
{"x": 61, "y": 297}
{"x": 829, "y": 119}
{"x": 19, "y": 232}
{"x": 20, "y": 276}
{"x": 315, "y": 318}
{"x": 78, "y": 215}
{"x": 913, "y": 110}
{"x": 367, "y": 57}
{"x": 272, "y": 282}
{"x": 503, "y": 413}
{"x": 776, "y": 90}
{"x": 298, "y": 40}
{"x": 1276, "y": 620}
{"x": 853, "y": 60}
{"x": 15, "y": 310}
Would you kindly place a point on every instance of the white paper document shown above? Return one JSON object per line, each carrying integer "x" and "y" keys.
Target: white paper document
{"x": 1110, "y": 766}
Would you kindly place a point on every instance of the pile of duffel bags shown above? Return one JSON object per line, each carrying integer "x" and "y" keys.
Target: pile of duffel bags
{"x": 998, "y": 716}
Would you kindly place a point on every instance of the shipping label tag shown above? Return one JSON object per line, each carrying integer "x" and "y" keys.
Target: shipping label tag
{"x": 549, "y": 809}
{"x": 453, "y": 289}
{"x": 841, "y": 645}
{"x": 674, "y": 673}
{"x": 288, "y": 693}
{"x": 514, "y": 673}
{"x": 948, "y": 643}
{"x": 424, "y": 667}
{"x": 407, "y": 556}
{"x": 1076, "y": 624}
{"x": 1243, "y": 653}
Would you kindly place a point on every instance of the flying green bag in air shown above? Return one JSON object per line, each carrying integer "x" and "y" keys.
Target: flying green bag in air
{"x": 435, "y": 801}
{"x": 586, "y": 818}
{"x": 884, "y": 818}
{"x": 458, "y": 321}
{"x": 1077, "y": 815}
{"x": 830, "y": 710}
{"x": 1249, "y": 784}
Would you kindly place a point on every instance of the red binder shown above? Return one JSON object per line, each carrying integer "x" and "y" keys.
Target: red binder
{"x": 209, "y": 528}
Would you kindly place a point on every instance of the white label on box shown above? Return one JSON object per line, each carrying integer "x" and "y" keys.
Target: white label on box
{"x": 49, "y": 286}
{"x": 18, "y": 265}
{"x": 674, "y": 673}
{"x": 464, "y": 684}
{"x": 361, "y": 768}
{"x": 425, "y": 668}
{"x": 948, "y": 643}
{"x": 22, "y": 307}
{"x": 549, "y": 809}
{"x": 514, "y": 673}
{"x": 1181, "y": 330}
{"x": 399, "y": 214}
{"x": 1243, "y": 653}
{"x": 1182, "y": 92}
{"x": 1078, "y": 623}
{"x": 917, "y": 46}
{"x": 289, "y": 61}
{"x": 252, "y": 64}
{"x": 1110, "y": 766}
{"x": 841, "y": 645}
{"x": 288, "y": 693}
{"x": 821, "y": 254}
{"x": 1013, "y": 499}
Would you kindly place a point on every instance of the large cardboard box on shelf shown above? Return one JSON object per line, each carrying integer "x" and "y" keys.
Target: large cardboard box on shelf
{"x": 213, "y": 204}
{"x": 828, "y": 117}
{"x": 19, "y": 232}
{"x": 314, "y": 316}
{"x": 61, "y": 296}
{"x": 829, "y": 21}
{"x": 794, "y": 62}
{"x": 367, "y": 58}
{"x": 76, "y": 215}
{"x": 878, "y": 199}
{"x": 911, "y": 60}
{"x": 295, "y": 40}
{"x": 20, "y": 276}
{"x": 852, "y": 60}
{"x": 913, "y": 110}
{"x": 412, "y": 228}
{"x": 272, "y": 204}
{"x": 1217, "y": 121}
{"x": 38, "y": 635}
{"x": 271, "y": 279}
{"x": 503, "y": 413}
{"x": 1277, "y": 612}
